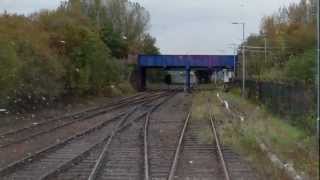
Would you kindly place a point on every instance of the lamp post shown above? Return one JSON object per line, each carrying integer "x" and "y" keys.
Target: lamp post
{"x": 243, "y": 57}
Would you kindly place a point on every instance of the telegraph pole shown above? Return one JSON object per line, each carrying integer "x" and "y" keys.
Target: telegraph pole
{"x": 265, "y": 50}
{"x": 243, "y": 58}
{"x": 244, "y": 62}
{"x": 235, "y": 51}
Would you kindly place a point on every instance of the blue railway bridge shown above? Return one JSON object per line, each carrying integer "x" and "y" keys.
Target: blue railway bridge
{"x": 186, "y": 63}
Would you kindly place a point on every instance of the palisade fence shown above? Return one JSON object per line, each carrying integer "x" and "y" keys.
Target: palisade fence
{"x": 293, "y": 101}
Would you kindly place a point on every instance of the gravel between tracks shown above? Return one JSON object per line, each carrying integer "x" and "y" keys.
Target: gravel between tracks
{"x": 12, "y": 121}
{"x": 53, "y": 159}
{"x": 21, "y": 149}
{"x": 124, "y": 148}
{"x": 17, "y": 151}
{"x": 164, "y": 129}
{"x": 199, "y": 158}
{"x": 125, "y": 157}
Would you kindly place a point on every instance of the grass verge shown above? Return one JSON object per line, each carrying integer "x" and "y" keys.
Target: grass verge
{"x": 292, "y": 145}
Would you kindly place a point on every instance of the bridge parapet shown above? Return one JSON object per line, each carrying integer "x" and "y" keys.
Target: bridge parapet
{"x": 186, "y": 62}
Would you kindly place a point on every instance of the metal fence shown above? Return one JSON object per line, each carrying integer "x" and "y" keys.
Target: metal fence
{"x": 292, "y": 101}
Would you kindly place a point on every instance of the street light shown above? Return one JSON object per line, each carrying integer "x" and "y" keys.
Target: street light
{"x": 244, "y": 58}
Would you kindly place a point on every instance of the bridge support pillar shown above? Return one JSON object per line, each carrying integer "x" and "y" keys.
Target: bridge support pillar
{"x": 187, "y": 87}
{"x": 142, "y": 84}
{"x": 215, "y": 77}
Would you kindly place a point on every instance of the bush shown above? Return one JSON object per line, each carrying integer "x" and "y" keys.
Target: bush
{"x": 60, "y": 52}
{"x": 126, "y": 88}
{"x": 40, "y": 78}
{"x": 302, "y": 67}
{"x": 30, "y": 70}
{"x": 9, "y": 68}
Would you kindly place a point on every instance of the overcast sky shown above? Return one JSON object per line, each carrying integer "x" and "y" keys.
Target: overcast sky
{"x": 187, "y": 26}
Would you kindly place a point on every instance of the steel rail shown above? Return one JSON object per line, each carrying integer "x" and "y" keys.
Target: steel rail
{"x": 221, "y": 157}
{"x": 178, "y": 149}
{"x": 32, "y": 157}
{"x": 145, "y": 148}
{"x": 145, "y": 144}
{"x": 103, "y": 154}
{"x": 99, "y": 112}
{"x": 70, "y": 163}
{"x": 65, "y": 165}
{"x": 73, "y": 115}
{"x": 177, "y": 153}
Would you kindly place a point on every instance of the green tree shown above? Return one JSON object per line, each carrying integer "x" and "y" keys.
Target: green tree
{"x": 302, "y": 68}
{"x": 72, "y": 50}
{"x": 290, "y": 32}
{"x": 149, "y": 45}
{"x": 9, "y": 68}
{"x": 115, "y": 41}
{"x": 120, "y": 18}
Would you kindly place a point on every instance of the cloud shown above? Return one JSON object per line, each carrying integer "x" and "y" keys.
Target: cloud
{"x": 204, "y": 26}
{"x": 27, "y": 6}
{"x": 186, "y": 26}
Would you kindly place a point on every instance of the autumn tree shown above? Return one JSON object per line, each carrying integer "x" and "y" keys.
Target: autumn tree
{"x": 289, "y": 33}
{"x": 72, "y": 50}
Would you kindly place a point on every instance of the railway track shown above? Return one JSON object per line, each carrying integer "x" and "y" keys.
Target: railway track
{"x": 78, "y": 151}
{"x": 72, "y": 115}
{"x": 126, "y": 146}
{"x": 161, "y": 136}
{"x": 29, "y": 132}
{"x": 199, "y": 154}
{"x": 123, "y": 159}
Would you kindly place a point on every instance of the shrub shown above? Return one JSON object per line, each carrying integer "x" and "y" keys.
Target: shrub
{"x": 9, "y": 68}
{"x": 302, "y": 67}
{"x": 40, "y": 78}
{"x": 30, "y": 70}
{"x": 60, "y": 52}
